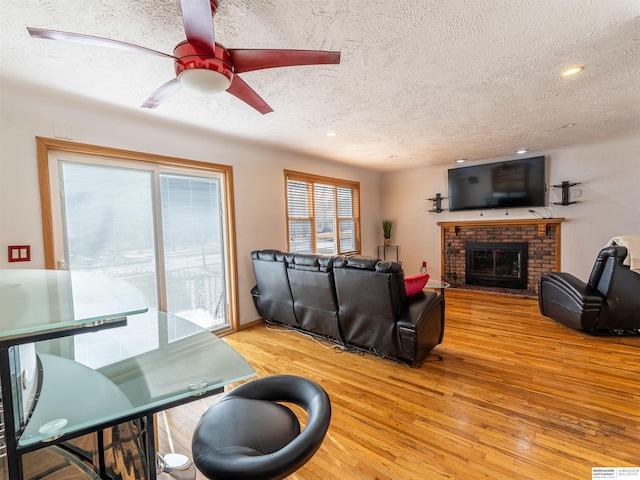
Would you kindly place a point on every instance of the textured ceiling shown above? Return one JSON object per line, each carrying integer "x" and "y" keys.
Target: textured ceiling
{"x": 420, "y": 82}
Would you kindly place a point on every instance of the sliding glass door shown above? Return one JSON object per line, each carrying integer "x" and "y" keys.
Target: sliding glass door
{"x": 193, "y": 247}
{"x": 160, "y": 229}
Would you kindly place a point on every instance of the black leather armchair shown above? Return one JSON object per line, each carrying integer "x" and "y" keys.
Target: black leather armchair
{"x": 609, "y": 303}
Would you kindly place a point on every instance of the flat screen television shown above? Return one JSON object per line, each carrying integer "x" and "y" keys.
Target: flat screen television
{"x": 510, "y": 184}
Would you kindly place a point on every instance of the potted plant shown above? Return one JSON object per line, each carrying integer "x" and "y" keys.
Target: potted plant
{"x": 386, "y": 229}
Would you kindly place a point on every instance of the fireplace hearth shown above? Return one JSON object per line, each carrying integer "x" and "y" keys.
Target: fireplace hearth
{"x": 496, "y": 264}
{"x": 541, "y": 235}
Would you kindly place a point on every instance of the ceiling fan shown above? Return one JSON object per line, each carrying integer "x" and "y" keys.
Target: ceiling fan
{"x": 203, "y": 64}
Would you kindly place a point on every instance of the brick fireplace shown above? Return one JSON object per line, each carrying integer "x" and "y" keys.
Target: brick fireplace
{"x": 542, "y": 237}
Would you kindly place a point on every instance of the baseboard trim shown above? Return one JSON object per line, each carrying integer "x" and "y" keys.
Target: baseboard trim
{"x": 244, "y": 326}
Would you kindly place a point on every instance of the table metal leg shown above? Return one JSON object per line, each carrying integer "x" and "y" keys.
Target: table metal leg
{"x": 14, "y": 463}
{"x": 150, "y": 445}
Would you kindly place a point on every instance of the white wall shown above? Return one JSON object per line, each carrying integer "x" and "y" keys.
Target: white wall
{"x": 257, "y": 170}
{"x": 609, "y": 172}
{"x": 609, "y": 204}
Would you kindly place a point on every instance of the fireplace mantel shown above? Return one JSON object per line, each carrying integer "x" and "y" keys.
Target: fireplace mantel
{"x": 541, "y": 234}
{"x": 542, "y": 224}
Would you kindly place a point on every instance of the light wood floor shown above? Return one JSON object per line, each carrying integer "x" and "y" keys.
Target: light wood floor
{"x": 509, "y": 394}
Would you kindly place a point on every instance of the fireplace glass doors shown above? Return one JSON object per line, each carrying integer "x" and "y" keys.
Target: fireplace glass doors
{"x": 496, "y": 264}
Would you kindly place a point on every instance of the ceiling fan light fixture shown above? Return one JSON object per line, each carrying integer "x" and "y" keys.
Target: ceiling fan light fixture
{"x": 204, "y": 80}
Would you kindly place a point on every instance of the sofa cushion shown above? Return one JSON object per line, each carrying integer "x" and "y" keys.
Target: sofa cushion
{"x": 267, "y": 255}
{"x": 415, "y": 283}
{"x": 359, "y": 261}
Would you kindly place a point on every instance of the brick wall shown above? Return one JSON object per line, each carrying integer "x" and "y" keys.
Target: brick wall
{"x": 542, "y": 251}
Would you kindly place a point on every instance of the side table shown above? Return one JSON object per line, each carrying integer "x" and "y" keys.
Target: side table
{"x": 435, "y": 284}
{"x": 382, "y": 251}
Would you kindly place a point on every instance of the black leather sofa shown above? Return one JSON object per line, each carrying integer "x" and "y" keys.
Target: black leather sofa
{"x": 609, "y": 303}
{"x": 358, "y": 302}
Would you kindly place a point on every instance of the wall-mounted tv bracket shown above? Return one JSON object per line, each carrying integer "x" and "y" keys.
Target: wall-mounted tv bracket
{"x": 437, "y": 203}
{"x": 565, "y": 186}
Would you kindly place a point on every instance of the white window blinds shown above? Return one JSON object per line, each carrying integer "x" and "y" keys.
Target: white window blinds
{"x": 323, "y": 214}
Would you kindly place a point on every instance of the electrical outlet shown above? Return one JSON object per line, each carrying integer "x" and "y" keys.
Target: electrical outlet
{"x": 576, "y": 192}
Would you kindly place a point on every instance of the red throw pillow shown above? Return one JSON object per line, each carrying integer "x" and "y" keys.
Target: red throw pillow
{"x": 415, "y": 283}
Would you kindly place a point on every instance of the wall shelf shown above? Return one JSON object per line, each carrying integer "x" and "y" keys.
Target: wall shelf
{"x": 437, "y": 203}
{"x": 565, "y": 186}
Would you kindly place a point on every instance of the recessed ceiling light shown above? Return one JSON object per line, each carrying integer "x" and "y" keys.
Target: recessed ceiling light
{"x": 461, "y": 160}
{"x": 520, "y": 151}
{"x": 331, "y": 134}
{"x": 572, "y": 71}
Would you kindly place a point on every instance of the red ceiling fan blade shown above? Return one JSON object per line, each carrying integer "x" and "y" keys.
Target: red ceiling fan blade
{"x": 246, "y": 60}
{"x": 197, "y": 17}
{"x": 162, "y": 93}
{"x": 90, "y": 40}
{"x": 244, "y": 92}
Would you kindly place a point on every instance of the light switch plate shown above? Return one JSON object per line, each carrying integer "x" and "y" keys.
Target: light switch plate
{"x": 19, "y": 253}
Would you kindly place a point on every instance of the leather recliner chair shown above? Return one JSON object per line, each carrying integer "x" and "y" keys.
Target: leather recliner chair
{"x": 275, "y": 300}
{"x": 375, "y": 313}
{"x": 312, "y": 287}
{"x": 609, "y": 303}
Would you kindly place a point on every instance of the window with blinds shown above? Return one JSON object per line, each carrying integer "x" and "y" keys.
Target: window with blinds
{"x": 323, "y": 214}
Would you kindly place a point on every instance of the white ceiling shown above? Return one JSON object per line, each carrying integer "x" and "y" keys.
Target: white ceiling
{"x": 421, "y": 81}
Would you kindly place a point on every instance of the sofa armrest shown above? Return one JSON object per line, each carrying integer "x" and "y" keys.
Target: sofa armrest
{"x": 421, "y": 326}
{"x": 569, "y": 300}
{"x": 418, "y": 307}
{"x": 578, "y": 290}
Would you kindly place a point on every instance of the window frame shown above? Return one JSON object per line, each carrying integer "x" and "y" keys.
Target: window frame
{"x": 336, "y": 183}
{"x": 45, "y": 146}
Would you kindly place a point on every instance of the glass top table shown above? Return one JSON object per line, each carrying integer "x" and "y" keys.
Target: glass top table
{"x": 40, "y": 303}
{"x": 93, "y": 375}
{"x": 179, "y": 364}
{"x": 437, "y": 284}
